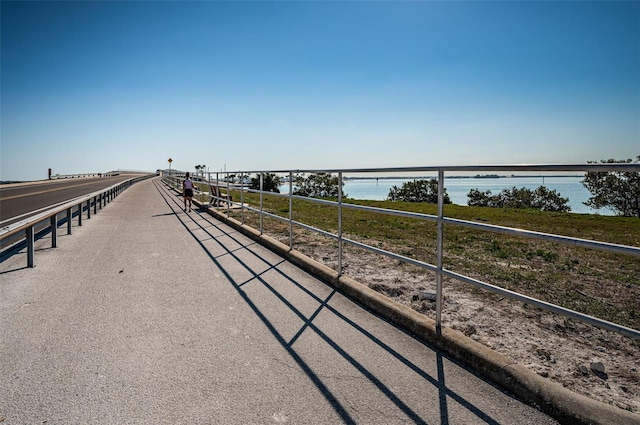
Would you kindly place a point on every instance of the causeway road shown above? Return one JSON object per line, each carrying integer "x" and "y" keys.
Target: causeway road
{"x": 18, "y": 200}
{"x": 148, "y": 314}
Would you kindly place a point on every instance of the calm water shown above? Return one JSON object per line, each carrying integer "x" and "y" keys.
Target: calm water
{"x": 458, "y": 188}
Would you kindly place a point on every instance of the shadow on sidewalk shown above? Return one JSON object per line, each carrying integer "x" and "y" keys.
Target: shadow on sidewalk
{"x": 206, "y": 229}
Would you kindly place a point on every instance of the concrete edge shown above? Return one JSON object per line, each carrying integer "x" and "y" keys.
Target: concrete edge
{"x": 552, "y": 398}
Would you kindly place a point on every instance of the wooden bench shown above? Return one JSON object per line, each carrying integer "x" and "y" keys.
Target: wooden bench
{"x": 216, "y": 196}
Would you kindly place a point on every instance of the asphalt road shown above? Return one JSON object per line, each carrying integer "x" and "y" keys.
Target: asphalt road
{"x": 19, "y": 200}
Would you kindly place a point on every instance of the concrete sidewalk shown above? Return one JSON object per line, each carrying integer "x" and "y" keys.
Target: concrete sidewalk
{"x": 149, "y": 315}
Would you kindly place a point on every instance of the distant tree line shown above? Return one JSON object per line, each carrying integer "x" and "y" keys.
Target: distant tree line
{"x": 619, "y": 191}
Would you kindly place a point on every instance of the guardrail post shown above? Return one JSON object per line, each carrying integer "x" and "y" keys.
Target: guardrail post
{"x": 54, "y": 231}
{"x": 30, "y": 247}
{"x": 439, "y": 252}
{"x": 88, "y": 208}
{"x": 340, "y": 223}
{"x": 69, "y": 214}
{"x": 80, "y": 214}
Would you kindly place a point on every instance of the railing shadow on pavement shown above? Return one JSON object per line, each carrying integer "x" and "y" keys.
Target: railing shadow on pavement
{"x": 203, "y": 225}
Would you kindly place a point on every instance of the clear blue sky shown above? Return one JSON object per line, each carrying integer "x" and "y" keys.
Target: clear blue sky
{"x": 97, "y": 86}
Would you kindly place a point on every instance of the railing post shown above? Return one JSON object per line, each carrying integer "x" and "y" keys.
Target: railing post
{"x": 290, "y": 209}
{"x": 88, "y": 208}
{"x": 218, "y": 194}
{"x": 261, "y": 198}
{"x": 54, "y": 231}
{"x": 439, "y": 252}
{"x": 80, "y": 214}
{"x": 228, "y": 195}
{"x": 69, "y": 214}
{"x": 30, "y": 247}
{"x": 242, "y": 198}
{"x": 340, "y": 244}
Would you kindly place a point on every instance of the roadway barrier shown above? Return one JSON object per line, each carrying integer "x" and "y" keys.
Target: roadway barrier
{"x": 47, "y": 221}
{"x": 76, "y": 176}
{"x": 96, "y": 175}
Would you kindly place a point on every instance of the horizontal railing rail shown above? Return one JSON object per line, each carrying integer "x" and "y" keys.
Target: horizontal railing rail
{"x": 48, "y": 220}
{"x": 174, "y": 178}
{"x": 76, "y": 176}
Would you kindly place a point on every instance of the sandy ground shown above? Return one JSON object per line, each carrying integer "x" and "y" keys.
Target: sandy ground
{"x": 588, "y": 360}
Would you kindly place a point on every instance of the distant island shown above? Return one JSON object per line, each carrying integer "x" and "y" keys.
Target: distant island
{"x": 486, "y": 176}
{"x": 477, "y": 176}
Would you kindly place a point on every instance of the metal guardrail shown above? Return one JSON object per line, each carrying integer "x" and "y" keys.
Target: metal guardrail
{"x": 175, "y": 177}
{"x": 97, "y": 174}
{"x": 76, "y": 176}
{"x": 96, "y": 200}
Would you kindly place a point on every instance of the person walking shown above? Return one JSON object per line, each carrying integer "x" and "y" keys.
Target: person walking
{"x": 187, "y": 191}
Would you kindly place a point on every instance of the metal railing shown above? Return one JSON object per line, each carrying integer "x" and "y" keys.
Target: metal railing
{"x": 47, "y": 221}
{"x": 174, "y": 178}
{"x": 76, "y": 176}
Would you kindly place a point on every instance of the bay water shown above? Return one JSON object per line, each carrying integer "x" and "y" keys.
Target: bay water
{"x": 570, "y": 187}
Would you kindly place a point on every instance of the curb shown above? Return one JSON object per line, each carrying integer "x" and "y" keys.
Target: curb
{"x": 552, "y": 398}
